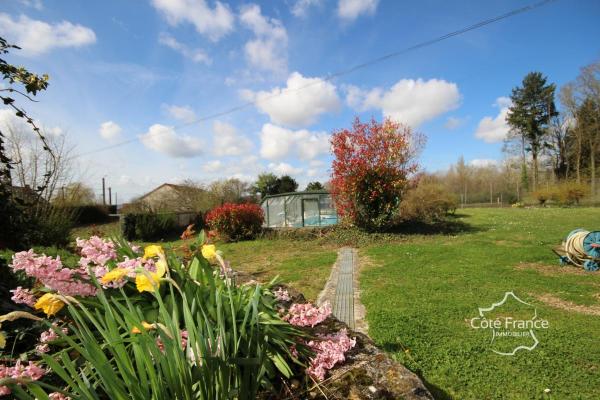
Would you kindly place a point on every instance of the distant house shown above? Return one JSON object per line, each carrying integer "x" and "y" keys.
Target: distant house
{"x": 170, "y": 197}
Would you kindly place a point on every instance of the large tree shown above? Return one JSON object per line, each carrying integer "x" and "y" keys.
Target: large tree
{"x": 372, "y": 167}
{"x": 266, "y": 184}
{"x": 19, "y": 83}
{"x": 530, "y": 115}
{"x": 581, "y": 99}
{"x": 314, "y": 186}
{"x": 286, "y": 184}
{"x": 588, "y": 123}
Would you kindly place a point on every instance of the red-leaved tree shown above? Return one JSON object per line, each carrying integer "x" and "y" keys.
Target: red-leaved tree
{"x": 373, "y": 163}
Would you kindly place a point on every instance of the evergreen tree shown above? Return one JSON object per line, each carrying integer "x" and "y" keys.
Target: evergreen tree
{"x": 286, "y": 184}
{"x": 530, "y": 114}
{"x": 314, "y": 186}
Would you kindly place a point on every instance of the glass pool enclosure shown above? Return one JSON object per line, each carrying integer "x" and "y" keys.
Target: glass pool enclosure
{"x": 299, "y": 209}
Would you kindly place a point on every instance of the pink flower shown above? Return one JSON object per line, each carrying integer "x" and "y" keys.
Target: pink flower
{"x": 23, "y": 296}
{"x": 48, "y": 336}
{"x": 42, "y": 348}
{"x": 58, "y": 396}
{"x": 184, "y": 340}
{"x": 96, "y": 251}
{"x": 31, "y": 371}
{"x": 51, "y": 335}
{"x": 328, "y": 352}
{"x": 50, "y": 272}
{"x": 282, "y": 295}
{"x": 307, "y": 314}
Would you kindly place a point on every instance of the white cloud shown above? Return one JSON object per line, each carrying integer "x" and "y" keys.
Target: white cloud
{"x": 349, "y": 10}
{"x": 483, "y": 162}
{"x": 278, "y": 143}
{"x": 409, "y": 101}
{"x": 454, "y": 123}
{"x": 213, "y": 22}
{"x": 316, "y": 169}
{"x": 37, "y": 4}
{"x": 213, "y": 166}
{"x": 245, "y": 168}
{"x": 283, "y": 168}
{"x": 298, "y": 104}
{"x": 38, "y": 37}
{"x": 9, "y": 123}
{"x": 300, "y": 7}
{"x": 227, "y": 142}
{"x": 196, "y": 55}
{"x": 181, "y": 113}
{"x": 55, "y": 131}
{"x": 493, "y": 130}
{"x": 268, "y": 50}
{"x": 163, "y": 139}
{"x": 110, "y": 130}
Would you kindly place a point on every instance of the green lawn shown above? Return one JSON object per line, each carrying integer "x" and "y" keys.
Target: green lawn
{"x": 421, "y": 294}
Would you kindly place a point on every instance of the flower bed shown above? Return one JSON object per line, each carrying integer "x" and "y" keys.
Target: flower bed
{"x": 182, "y": 326}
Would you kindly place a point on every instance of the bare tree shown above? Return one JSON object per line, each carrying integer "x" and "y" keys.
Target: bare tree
{"x": 33, "y": 166}
{"x": 569, "y": 102}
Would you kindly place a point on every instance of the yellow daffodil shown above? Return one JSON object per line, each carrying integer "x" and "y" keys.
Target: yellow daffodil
{"x": 49, "y": 303}
{"x": 147, "y": 281}
{"x": 114, "y": 275}
{"x": 209, "y": 251}
{"x": 153, "y": 251}
{"x": 145, "y": 325}
{"x": 2, "y": 340}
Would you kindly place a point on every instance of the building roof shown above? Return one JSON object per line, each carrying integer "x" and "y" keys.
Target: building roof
{"x": 308, "y": 192}
{"x": 172, "y": 185}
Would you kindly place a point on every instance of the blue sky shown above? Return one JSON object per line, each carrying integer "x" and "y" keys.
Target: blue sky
{"x": 145, "y": 70}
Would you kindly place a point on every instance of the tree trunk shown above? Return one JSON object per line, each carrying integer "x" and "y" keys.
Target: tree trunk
{"x": 534, "y": 156}
{"x": 578, "y": 158}
{"x": 593, "y": 169}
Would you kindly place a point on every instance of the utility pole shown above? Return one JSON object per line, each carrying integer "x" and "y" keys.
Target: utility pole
{"x": 103, "y": 192}
{"x": 109, "y": 196}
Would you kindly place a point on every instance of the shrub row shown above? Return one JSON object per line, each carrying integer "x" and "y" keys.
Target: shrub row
{"x": 154, "y": 226}
{"x": 428, "y": 202}
{"x": 88, "y": 214}
{"x": 565, "y": 193}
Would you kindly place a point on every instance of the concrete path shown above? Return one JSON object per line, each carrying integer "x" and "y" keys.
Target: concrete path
{"x": 342, "y": 291}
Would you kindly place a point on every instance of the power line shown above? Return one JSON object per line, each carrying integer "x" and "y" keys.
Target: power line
{"x": 347, "y": 71}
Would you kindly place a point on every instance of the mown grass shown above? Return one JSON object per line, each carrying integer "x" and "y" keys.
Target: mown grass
{"x": 420, "y": 290}
{"x": 420, "y": 294}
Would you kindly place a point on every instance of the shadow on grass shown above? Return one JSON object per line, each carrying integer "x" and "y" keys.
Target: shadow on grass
{"x": 450, "y": 226}
{"x": 437, "y": 392}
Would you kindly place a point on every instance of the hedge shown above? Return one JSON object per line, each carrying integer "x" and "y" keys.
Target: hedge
{"x": 154, "y": 226}
{"x": 88, "y": 214}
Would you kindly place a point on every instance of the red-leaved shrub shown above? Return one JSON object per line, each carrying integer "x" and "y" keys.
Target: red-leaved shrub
{"x": 372, "y": 165}
{"x": 233, "y": 222}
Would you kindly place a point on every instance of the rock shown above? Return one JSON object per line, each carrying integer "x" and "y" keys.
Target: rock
{"x": 367, "y": 373}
